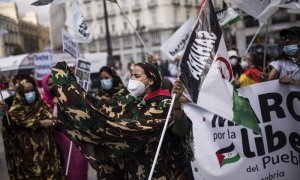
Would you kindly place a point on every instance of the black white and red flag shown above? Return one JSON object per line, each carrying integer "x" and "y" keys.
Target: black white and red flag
{"x": 207, "y": 73}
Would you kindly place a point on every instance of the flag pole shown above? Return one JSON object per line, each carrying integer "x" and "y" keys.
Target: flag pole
{"x": 69, "y": 157}
{"x": 261, "y": 25}
{"x": 266, "y": 43}
{"x": 128, "y": 20}
{"x": 162, "y": 137}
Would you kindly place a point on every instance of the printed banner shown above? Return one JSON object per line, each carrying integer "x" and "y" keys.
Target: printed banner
{"x": 82, "y": 73}
{"x": 224, "y": 150}
{"x": 69, "y": 45}
{"x": 176, "y": 43}
{"x": 42, "y": 63}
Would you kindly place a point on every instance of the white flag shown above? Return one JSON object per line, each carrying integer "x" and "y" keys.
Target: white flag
{"x": 275, "y": 5}
{"x": 76, "y": 22}
{"x": 263, "y": 9}
{"x": 174, "y": 46}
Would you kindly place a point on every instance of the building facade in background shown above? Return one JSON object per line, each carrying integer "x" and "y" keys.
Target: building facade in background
{"x": 155, "y": 21}
{"x": 10, "y": 41}
{"x": 25, "y": 34}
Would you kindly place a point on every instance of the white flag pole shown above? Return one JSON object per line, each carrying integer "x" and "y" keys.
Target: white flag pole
{"x": 266, "y": 45}
{"x": 261, "y": 25}
{"x": 162, "y": 137}
{"x": 142, "y": 41}
{"x": 69, "y": 157}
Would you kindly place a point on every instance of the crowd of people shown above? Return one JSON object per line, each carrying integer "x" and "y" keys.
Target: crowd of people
{"x": 117, "y": 130}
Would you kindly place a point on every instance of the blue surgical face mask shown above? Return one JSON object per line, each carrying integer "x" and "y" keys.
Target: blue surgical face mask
{"x": 106, "y": 84}
{"x": 30, "y": 97}
{"x": 291, "y": 50}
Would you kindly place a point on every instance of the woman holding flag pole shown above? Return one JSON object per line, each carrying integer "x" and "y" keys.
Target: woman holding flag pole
{"x": 126, "y": 131}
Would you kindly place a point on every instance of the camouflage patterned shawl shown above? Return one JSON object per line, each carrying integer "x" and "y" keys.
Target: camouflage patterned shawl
{"x": 37, "y": 156}
{"x": 26, "y": 115}
{"x": 127, "y": 127}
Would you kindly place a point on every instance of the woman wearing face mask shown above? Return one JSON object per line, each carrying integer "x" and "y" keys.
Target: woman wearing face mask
{"x": 251, "y": 75}
{"x": 38, "y": 157}
{"x": 235, "y": 63}
{"x": 120, "y": 136}
{"x": 78, "y": 165}
{"x": 111, "y": 85}
{"x": 287, "y": 68}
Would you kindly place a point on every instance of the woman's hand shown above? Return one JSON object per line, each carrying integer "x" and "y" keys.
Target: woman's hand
{"x": 286, "y": 80}
{"x": 47, "y": 122}
{"x": 178, "y": 88}
{"x": 151, "y": 59}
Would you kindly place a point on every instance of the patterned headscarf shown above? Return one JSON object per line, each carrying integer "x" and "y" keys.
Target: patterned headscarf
{"x": 28, "y": 115}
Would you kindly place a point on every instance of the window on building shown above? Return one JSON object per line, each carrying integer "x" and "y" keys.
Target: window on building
{"x": 138, "y": 42}
{"x": 125, "y": 25}
{"x": 280, "y": 16}
{"x": 115, "y": 44}
{"x": 128, "y": 57}
{"x": 102, "y": 45}
{"x": 187, "y": 14}
{"x": 88, "y": 11}
{"x": 175, "y": 12}
{"x": 113, "y": 28}
{"x": 138, "y": 23}
{"x": 101, "y": 29}
{"x": 127, "y": 42}
{"x": 153, "y": 16}
{"x": 155, "y": 38}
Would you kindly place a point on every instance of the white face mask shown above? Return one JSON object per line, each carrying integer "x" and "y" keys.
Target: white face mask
{"x": 136, "y": 88}
{"x": 244, "y": 64}
{"x": 233, "y": 61}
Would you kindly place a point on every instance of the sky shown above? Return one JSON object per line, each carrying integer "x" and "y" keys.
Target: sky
{"x": 24, "y": 6}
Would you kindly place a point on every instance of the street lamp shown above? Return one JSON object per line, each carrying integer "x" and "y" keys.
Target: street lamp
{"x": 108, "y": 43}
{"x": 141, "y": 29}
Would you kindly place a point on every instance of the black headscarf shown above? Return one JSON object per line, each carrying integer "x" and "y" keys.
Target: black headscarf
{"x": 153, "y": 73}
{"x": 115, "y": 78}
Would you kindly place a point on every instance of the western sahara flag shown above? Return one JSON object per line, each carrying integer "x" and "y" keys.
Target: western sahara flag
{"x": 206, "y": 72}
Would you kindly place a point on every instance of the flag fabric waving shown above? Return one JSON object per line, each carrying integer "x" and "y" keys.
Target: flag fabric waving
{"x": 207, "y": 74}
{"x": 228, "y": 17}
{"x": 46, "y": 2}
{"x": 263, "y": 9}
{"x": 76, "y": 22}
{"x": 113, "y": 1}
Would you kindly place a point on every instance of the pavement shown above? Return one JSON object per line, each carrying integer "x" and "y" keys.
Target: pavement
{"x": 92, "y": 174}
